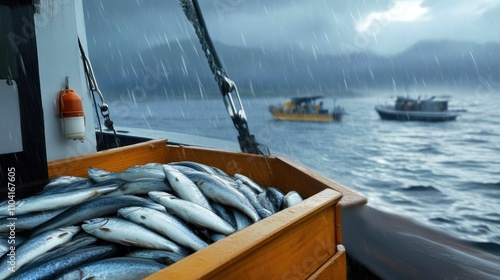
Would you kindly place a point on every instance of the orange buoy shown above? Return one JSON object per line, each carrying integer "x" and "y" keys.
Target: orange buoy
{"x": 71, "y": 114}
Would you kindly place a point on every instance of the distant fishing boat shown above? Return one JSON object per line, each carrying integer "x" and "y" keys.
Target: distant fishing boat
{"x": 434, "y": 109}
{"x": 307, "y": 108}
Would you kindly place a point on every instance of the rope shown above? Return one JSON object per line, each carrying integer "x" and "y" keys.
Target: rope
{"x": 93, "y": 88}
{"x": 247, "y": 141}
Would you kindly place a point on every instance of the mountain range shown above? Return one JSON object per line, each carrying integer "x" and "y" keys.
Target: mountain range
{"x": 180, "y": 66}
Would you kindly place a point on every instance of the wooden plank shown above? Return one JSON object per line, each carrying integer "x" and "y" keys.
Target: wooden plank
{"x": 290, "y": 172}
{"x": 267, "y": 171}
{"x": 334, "y": 268}
{"x": 291, "y": 243}
{"x": 256, "y": 167}
{"x": 112, "y": 160}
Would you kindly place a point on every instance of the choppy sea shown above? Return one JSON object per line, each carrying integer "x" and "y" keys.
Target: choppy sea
{"x": 443, "y": 175}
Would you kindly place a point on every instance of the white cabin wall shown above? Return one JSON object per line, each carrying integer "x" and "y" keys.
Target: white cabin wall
{"x": 57, "y": 25}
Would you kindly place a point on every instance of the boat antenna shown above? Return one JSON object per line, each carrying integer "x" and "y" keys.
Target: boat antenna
{"x": 248, "y": 143}
{"x": 94, "y": 88}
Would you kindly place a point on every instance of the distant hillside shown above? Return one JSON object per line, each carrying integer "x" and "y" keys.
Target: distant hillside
{"x": 179, "y": 67}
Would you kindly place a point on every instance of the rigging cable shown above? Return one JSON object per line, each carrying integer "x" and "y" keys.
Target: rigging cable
{"x": 247, "y": 141}
{"x": 94, "y": 88}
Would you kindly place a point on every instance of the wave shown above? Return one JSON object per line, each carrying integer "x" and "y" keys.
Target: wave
{"x": 465, "y": 164}
{"x": 430, "y": 150}
{"x": 490, "y": 218}
{"x": 420, "y": 188}
{"x": 441, "y": 220}
{"x": 484, "y": 133}
{"x": 483, "y": 186}
{"x": 490, "y": 247}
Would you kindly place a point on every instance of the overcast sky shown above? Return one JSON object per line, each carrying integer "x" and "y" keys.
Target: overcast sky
{"x": 322, "y": 26}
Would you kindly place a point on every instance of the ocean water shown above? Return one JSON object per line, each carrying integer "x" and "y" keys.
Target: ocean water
{"x": 443, "y": 175}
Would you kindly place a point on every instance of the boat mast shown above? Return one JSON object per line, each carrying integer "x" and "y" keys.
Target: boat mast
{"x": 248, "y": 143}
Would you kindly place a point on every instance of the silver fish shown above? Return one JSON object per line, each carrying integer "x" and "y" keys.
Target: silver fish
{"x": 54, "y": 267}
{"x": 252, "y": 197}
{"x": 164, "y": 224}
{"x": 242, "y": 220}
{"x": 192, "y": 213}
{"x": 100, "y": 206}
{"x": 30, "y": 221}
{"x": 142, "y": 186}
{"x": 5, "y": 245}
{"x": 249, "y": 182}
{"x": 182, "y": 168}
{"x": 127, "y": 233}
{"x": 63, "y": 180}
{"x": 266, "y": 202}
{"x": 185, "y": 188}
{"x": 78, "y": 241}
{"x": 276, "y": 196}
{"x": 101, "y": 175}
{"x": 196, "y": 166}
{"x": 54, "y": 201}
{"x": 221, "y": 192}
{"x": 123, "y": 268}
{"x": 79, "y": 184}
{"x": 225, "y": 213}
{"x": 34, "y": 247}
{"x": 152, "y": 165}
{"x": 223, "y": 175}
{"x": 189, "y": 166}
{"x": 217, "y": 236}
{"x": 291, "y": 198}
{"x": 160, "y": 256}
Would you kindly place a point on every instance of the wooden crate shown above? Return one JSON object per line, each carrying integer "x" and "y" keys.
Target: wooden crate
{"x": 299, "y": 242}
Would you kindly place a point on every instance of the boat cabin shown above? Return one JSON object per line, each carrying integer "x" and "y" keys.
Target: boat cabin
{"x": 313, "y": 104}
{"x": 432, "y": 104}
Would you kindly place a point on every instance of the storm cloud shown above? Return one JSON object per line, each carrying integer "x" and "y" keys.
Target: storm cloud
{"x": 308, "y": 44}
{"x": 322, "y": 26}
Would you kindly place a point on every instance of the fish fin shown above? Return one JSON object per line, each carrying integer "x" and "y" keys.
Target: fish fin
{"x": 62, "y": 234}
{"x": 200, "y": 183}
{"x": 105, "y": 229}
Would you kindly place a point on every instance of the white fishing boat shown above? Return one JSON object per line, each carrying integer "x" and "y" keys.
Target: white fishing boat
{"x": 429, "y": 110}
{"x": 48, "y": 130}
